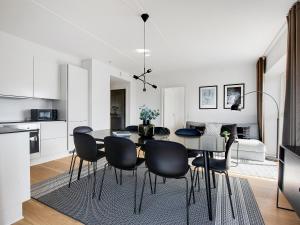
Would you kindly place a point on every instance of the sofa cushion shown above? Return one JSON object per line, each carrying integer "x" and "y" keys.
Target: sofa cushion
{"x": 188, "y": 132}
{"x": 213, "y": 128}
{"x": 243, "y": 132}
{"x": 251, "y": 145}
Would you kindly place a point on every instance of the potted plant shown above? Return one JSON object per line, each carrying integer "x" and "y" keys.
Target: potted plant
{"x": 146, "y": 115}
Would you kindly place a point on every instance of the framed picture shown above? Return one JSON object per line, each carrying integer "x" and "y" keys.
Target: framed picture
{"x": 233, "y": 92}
{"x": 208, "y": 97}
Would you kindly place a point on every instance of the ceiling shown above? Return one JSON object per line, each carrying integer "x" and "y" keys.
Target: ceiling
{"x": 181, "y": 34}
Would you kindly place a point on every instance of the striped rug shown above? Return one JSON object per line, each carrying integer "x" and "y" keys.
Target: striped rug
{"x": 166, "y": 207}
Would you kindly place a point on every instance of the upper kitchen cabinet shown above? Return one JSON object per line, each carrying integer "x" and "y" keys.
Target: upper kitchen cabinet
{"x": 46, "y": 79}
{"x": 16, "y": 71}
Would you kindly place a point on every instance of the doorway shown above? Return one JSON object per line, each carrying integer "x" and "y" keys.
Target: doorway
{"x": 117, "y": 109}
{"x": 174, "y": 108}
{"x": 119, "y": 103}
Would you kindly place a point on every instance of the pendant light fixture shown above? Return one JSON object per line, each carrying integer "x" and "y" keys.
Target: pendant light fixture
{"x": 142, "y": 77}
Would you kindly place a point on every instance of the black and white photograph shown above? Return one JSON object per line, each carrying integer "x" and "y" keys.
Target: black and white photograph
{"x": 208, "y": 97}
{"x": 233, "y": 93}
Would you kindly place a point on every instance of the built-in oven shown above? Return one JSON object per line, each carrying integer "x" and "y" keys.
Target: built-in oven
{"x": 34, "y": 137}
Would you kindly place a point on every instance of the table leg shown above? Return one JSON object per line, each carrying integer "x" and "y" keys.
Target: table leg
{"x": 207, "y": 184}
{"x": 79, "y": 169}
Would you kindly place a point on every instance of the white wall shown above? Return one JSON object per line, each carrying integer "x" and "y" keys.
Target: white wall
{"x": 17, "y": 109}
{"x": 191, "y": 80}
{"x": 99, "y": 92}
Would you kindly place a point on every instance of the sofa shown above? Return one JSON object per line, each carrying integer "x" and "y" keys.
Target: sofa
{"x": 246, "y": 143}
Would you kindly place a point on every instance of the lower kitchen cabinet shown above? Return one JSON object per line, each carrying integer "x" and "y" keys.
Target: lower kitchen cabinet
{"x": 54, "y": 147}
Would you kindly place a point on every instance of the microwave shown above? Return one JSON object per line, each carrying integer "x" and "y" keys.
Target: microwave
{"x": 43, "y": 114}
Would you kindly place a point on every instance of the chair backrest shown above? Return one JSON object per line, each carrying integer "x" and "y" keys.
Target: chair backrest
{"x": 188, "y": 132}
{"x": 120, "y": 152}
{"x": 86, "y": 147}
{"x": 82, "y": 129}
{"x": 161, "y": 131}
{"x": 166, "y": 158}
{"x": 132, "y": 128}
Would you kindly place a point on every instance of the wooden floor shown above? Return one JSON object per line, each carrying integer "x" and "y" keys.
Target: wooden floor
{"x": 36, "y": 213}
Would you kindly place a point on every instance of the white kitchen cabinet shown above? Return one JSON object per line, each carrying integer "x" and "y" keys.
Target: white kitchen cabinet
{"x": 53, "y": 138}
{"x": 73, "y": 105}
{"x": 53, "y": 129}
{"x": 77, "y": 93}
{"x": 14, "y": 176}
{"x": 46, "y": 79}
{"x": 16, "y": 71}
{"x": 53, "y": 147}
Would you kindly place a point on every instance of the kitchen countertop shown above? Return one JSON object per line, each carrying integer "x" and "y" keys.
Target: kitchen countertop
{"x": 30, "y": 121}
{"x": 7, "y": 130}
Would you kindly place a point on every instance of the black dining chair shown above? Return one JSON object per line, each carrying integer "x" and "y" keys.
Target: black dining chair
{"x": 121, "y": 154}
{"x": 219, "y": 166}
{"x": 86, "y": 149}
{"x": 161, "y": 131}
{"x": 132, "y": 128}
{"x": 82, "y": 129}
{"x": 168, "y": 159}
{"x": 191, "y": 133}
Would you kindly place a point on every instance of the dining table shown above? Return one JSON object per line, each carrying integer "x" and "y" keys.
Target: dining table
{"x": 205, "y": 144}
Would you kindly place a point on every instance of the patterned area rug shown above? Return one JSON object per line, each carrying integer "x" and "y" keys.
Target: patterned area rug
{"x": 267, "y": 169}
{"x": 166, "y": 207}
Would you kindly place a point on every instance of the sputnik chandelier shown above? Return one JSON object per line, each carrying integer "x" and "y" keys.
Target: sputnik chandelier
{"x": 142, "y": 77}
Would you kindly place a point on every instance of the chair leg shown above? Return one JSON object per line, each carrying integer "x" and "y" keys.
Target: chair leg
{"x": 227, "y": 180}
{"x": 164, "y": 180}
{"x": 121, "y": 177}
{"x": 192, "y": 186}
{"x": 89, "y": 170}
{"x": 116, "y": 175}
{"x": 72, "y": 170}
{"x": 213, "y": 178}
{"x": 142, "y": 194}
{"x": 202, "y": 173}
{"x": 198, "y": 176}
{"x": 72, "y": 161}
{"x": 79, "y": 169}
{"x": 155, "y": 181}
{"x": 230, "y": 193}
{"x": 135, "y": 187}
{"x": 95, "y": 171}
{"x": 187, "y": 200}
{"x": 100, "y": 191}
{"x": 150, "y": 181}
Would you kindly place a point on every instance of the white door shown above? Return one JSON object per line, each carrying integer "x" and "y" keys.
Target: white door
{"x": 174, "y": 108}
{"x": 77, "y": 94}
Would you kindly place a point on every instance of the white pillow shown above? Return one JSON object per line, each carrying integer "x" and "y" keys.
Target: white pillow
{"x": 213, "y": 128}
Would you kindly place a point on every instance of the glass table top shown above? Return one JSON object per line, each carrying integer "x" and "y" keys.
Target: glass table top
{"x": 209, "y": 143}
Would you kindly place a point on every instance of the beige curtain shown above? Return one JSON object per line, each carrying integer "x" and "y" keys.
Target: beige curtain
{"x": 260, "y": 70}
{"x": 291, "y": 121}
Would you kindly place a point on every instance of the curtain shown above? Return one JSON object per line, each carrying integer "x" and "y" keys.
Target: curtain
{"x": 291, "y": 121}
{"x": 260, "y": 70}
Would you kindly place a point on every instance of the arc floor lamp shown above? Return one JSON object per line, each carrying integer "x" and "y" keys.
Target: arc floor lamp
{"x": 237, "y": 106}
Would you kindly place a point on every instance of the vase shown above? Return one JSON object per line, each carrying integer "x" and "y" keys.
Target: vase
{"x": 146, "y": 129}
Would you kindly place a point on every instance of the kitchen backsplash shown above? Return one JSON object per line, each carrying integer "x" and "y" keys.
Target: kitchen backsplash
{"x": 12, "y": 109}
